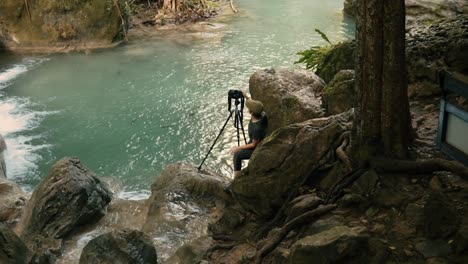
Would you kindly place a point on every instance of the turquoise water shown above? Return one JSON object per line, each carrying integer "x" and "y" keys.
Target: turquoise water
{"x": 128, "y": 111}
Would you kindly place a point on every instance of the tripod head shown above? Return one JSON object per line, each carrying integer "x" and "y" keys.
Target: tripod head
{"x": 238, "y": 98}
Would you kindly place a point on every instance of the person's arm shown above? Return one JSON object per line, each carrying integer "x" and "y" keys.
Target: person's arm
{"x": 245, "y": 95}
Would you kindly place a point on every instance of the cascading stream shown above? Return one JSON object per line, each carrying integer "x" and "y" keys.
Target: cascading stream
{"x": 128, "y": 111}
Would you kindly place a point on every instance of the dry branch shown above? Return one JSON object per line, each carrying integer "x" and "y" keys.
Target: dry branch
{"x": 26, "y": 3}
{"x": 232, "y": 7}
{"x": 295, "y": 223}
{"x": 421, "y": 166}
{"x": 124, "y": 24}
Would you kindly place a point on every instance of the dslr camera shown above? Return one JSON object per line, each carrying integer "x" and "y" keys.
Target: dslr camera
{"x": 235, "y": 94}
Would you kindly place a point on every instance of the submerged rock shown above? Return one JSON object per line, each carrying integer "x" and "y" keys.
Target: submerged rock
{"x": 182, "y": 202}
{"x": 12, "y": 249}
{"x": 120, "y": 247}
{"x": 289, "y": 95}
{"x": 274, "y": 166}
{"x": 3, "y": 173}
{"x": 68, "y": 197}
{"x": 59, "y": 23}
{"x": 340, "y": 94}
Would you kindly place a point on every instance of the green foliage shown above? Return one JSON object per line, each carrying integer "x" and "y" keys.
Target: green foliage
{"x": 316, "y": 54}
{"x": 323, "y": 36}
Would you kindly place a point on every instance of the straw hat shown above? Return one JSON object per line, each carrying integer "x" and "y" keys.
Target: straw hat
{"x": 256, "y": 107}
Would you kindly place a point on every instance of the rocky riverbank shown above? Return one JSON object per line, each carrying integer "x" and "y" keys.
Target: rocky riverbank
{"x": 63, "y": 26}
{"x": 292, "y": 204}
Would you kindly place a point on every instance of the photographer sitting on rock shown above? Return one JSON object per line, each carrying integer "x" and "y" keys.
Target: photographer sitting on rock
{"x": 257, "y": 132}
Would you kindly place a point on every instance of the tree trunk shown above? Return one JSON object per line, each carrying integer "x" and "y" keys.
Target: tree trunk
{"x": 383, "y": 120}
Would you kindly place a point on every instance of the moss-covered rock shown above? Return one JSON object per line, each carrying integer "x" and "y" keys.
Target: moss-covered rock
{"x": 57, "y": 23}
{"x": 429, "y": 48}
{"x": 443, "y": 44}
{"x": 340, "y": 57}
{"x": 264, "y": 185}
{"x": 339, "y": 95}
{"x": 70, "y": 196}
{"x": 420, "y": 12}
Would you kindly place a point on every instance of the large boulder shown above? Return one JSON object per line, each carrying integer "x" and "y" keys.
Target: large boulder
{"x": 59, "y": 23}
{"x": 68, "y": 197}
{"x": 340, "y": 94}
{"x": 12, "y": 249}
{"x": 289, "y": 95}
{"x": 339, "y": 244}
{"x": 182, "y": 201}
{"x": 12, "y": 201}
{"x": 273, "y": 168}
{"x": 120, "y": 247}
{"x": 3, "y": 173}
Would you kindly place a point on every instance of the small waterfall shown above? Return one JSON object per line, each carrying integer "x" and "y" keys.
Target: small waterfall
{"x": 16, "y": 117}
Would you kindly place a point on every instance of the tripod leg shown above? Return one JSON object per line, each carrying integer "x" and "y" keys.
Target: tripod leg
{"x": 236, "y": 125}
{"x": 242, "y": 127}
{"x": 220, "y": 132}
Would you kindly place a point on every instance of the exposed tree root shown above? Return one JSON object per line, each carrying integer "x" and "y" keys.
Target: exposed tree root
{"x": 224, "y": 246}
{"x": 284, "y": 231}
{"x": 337, "y": 190}
{"x": 291, "y": 196}
{"x": 420, "y": 166}
{"x": 223, "y": 238}
{"x": 324, "y": 161}
{"x": 340, "y": 151}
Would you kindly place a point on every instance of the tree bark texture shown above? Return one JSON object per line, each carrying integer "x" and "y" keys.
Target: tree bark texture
{"x": 383, "y": 119}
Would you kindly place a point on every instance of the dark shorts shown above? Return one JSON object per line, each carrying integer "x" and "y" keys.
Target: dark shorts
{"x": 240, "y": 155}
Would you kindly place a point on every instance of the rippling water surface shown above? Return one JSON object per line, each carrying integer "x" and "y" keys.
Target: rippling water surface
{"x": 128, "y": 111}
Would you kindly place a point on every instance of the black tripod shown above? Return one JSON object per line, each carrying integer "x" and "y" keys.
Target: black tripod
{"x": 238, "y": 119}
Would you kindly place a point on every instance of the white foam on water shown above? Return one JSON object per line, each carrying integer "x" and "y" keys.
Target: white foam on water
{"x": 16, "y": 117}
{"x": 134, "y": 195}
